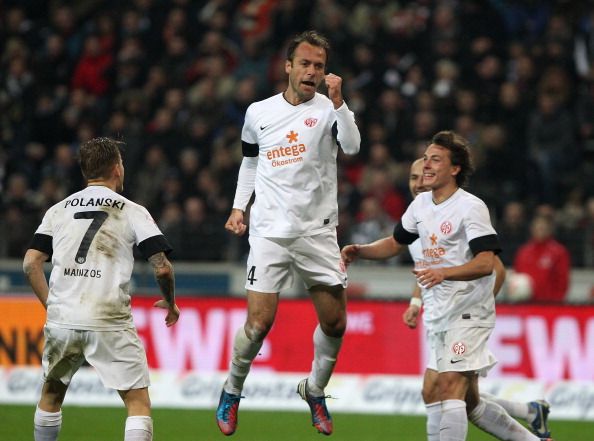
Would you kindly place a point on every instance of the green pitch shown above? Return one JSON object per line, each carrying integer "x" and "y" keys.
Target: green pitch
{"x": 107, "y": 424}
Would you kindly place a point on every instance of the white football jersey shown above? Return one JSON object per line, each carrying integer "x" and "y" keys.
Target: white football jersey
{"x": 90, "y": 236}
{"x": 449, "y": 233}
{"x": 295, "y": 181}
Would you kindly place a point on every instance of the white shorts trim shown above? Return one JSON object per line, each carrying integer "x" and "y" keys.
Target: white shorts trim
{"x": 273, "y": 263}
{"x": 118, "y": 357}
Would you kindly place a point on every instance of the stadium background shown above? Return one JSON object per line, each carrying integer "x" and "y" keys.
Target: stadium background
{"x": 173, "y": 79}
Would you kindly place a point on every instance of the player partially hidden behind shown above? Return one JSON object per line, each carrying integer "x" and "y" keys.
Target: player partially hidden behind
{"x": 459, "y": 247}
{"x": 90, "y": 237}
{"x": 290, "y": 142}
{"x": 535, "y": 413}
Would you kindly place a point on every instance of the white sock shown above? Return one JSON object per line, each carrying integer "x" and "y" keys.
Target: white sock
{"x": 514, "y": 408}
{"x": 46, "y": 425}
{"x": 325, "y": 352}
{"x": 244, "y": 352}
{"x": 433, "y": 419}
{"x": 139, "y": 428}
{"x": 492, "y": 418}
{"x": 453, "y": 425}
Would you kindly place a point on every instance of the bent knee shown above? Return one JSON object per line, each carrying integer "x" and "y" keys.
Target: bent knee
{"x": 335, "y": 328}
{"x": 257, "y": 331}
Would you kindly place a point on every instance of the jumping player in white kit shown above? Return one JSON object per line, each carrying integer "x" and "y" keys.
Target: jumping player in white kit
{"x": 90, "y": 237}
{"x": 457, "y": 275}
{"x": 290, "y": 143}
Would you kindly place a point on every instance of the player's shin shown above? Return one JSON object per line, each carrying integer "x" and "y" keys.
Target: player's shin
{"x": 433, "y": 419}
{"x": 492, "y": 418}
{"x": 244, "y": 352}
{"x": 453, "y": 425}
{"x": 325, "y": 353}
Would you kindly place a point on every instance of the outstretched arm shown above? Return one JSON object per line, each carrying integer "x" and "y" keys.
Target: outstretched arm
{"x": 33, "y": 269}
{"x": 165, "y": 276}
{"x": 378, "y": 250}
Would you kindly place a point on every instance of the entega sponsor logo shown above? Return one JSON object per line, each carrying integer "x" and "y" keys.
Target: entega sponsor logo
{"x": 292, "y": 154}
{"x": 280, "y": 152}
{"x": 82, "y": 272}
{"x": 433, "y": 253}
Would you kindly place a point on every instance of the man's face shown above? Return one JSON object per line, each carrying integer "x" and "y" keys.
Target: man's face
{"x": 306, "y": 71}
{"x": 415, "y": 179}
{"x": 438, "y": 170}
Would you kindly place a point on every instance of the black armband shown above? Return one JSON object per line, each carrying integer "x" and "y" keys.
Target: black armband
{"x": 402, "y": 236}
{"x": 250, "y": 150}
{"x": 485, "y": 243}
{"x": 153, "y": 245}
{"x": 43, "y": 243}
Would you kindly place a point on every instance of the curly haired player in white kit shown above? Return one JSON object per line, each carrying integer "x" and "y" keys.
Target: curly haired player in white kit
{"x": 290, "y": 143}
{"x": 535, "y": 413}
{"x": 90, "y": 237}
{"x": 459, "y": 248}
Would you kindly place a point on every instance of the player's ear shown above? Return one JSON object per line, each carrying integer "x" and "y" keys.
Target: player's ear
{"x": 288, "y": 66}
{"x": 116, "y": 170}
{"x": 455, "y": 170}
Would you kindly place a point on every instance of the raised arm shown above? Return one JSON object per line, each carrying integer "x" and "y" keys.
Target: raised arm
{"x": 33, "y": 269}
{"x": 165, "y": 276}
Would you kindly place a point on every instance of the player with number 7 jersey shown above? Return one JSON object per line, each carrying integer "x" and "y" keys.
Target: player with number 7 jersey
{"x": 90, "y": 237}
{"x": 92, "y": 234}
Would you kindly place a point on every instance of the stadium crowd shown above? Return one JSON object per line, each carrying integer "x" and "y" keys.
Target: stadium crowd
{"x": 173, "y": 79}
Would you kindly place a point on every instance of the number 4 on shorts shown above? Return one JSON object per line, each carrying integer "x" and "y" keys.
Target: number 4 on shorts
{"x": 251, "y": 274}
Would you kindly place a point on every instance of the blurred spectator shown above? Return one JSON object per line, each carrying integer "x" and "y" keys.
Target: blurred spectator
{"x": 552, "y": 146}
{"x": 91, "y": 72}
{"x": 513, "y": 231}
{"x": 150, "y": 177}
{"x": 373, "y": 223}
{"x": 64, "y": 169}
{"x": 202, "y": 237}
{"x": 546, "y": 261}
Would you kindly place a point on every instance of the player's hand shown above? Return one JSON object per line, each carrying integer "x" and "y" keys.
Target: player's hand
{"x": 172, "y": 311}
{"x": 334, "y": 85}
{"x": 235, "y": 222}
{"x": 429, "y": 277}
{"x": 410, "y": 316}
{"x": 350, "y": 253}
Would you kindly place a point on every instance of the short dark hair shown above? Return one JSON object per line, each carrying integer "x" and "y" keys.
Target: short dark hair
{"x": 312, "y": 37}
{"x": 459, "y": 149}
{"x": 97, "y": 156}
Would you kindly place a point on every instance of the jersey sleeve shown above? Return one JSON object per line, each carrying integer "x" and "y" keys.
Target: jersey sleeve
{"x": 148, "y": 237}
{"x": 249, "y": 138}
{"x": 480, "y": 233}
{"x": 43, "y": 237}
{"x": 406, "y": 231}
{"x": 246, "y": 182}
{"x": 346, "y": 131}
